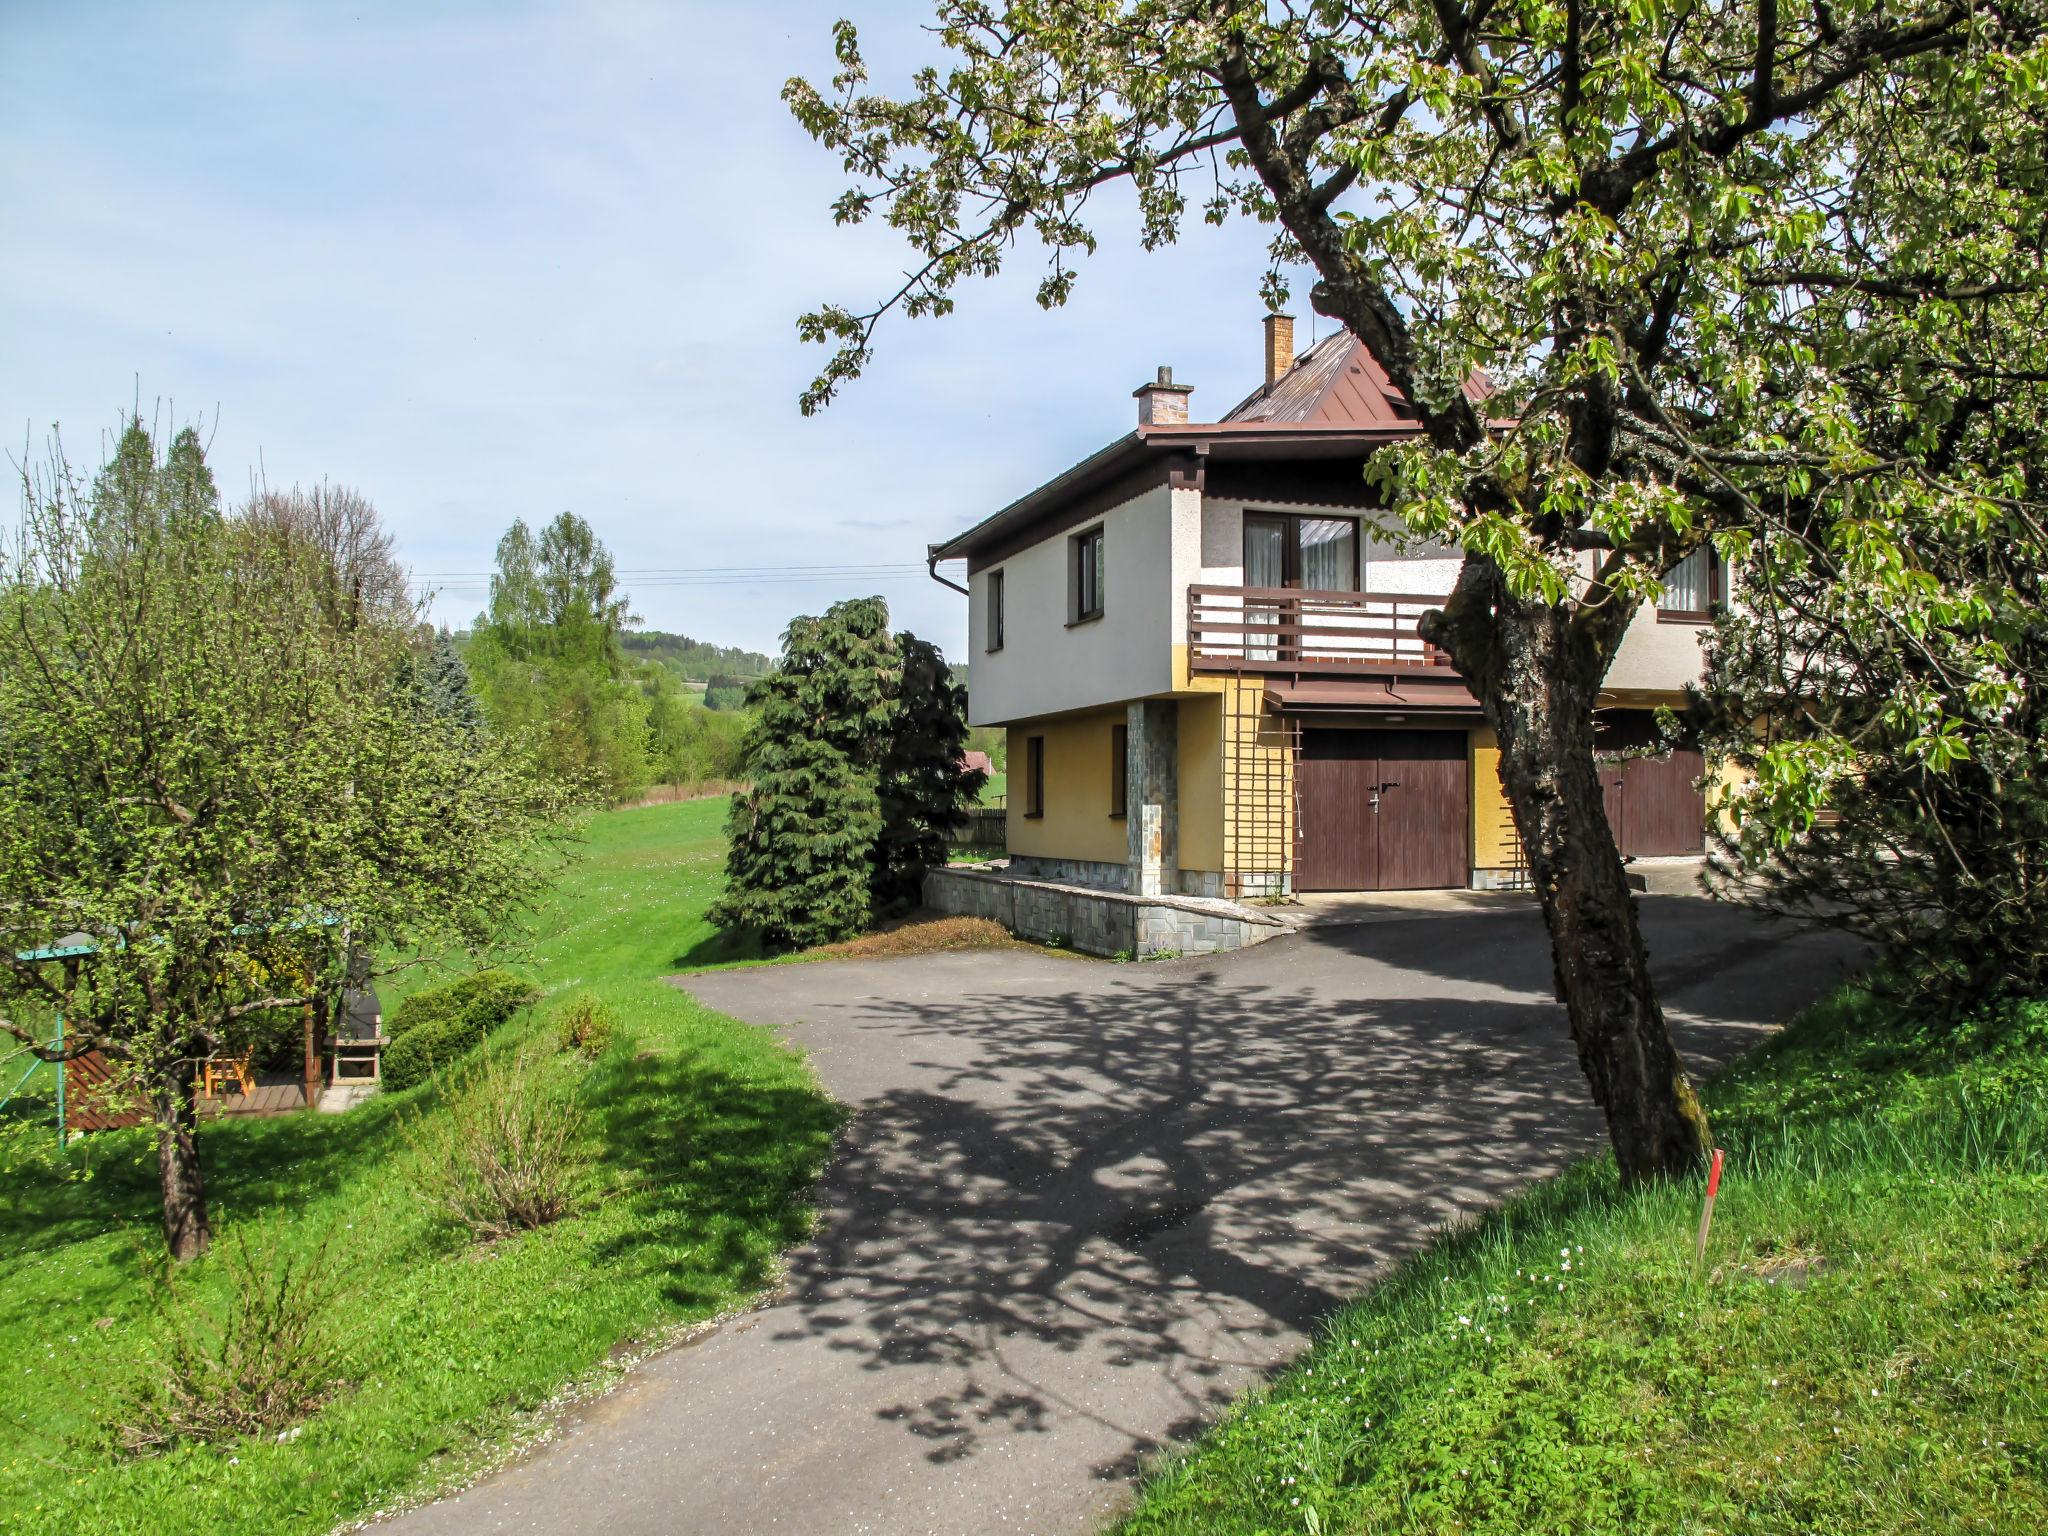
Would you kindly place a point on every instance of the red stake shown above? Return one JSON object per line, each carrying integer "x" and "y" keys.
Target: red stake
{"x": 1699, "y": 1255}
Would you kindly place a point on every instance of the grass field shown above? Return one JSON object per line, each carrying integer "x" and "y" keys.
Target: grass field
{"x": 1867, "y": 1350}
{"x": 712, "y": 1135}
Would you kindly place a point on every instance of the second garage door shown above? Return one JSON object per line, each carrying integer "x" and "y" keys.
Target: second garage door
{"x": 1382, "y": 811}
{"x": 1654, "y": 804}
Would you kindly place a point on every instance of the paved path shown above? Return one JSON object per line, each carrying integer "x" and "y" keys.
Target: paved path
{"x": 1083, "y": 1205}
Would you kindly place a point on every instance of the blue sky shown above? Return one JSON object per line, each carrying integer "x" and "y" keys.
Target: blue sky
{"x": 495, "y": 261}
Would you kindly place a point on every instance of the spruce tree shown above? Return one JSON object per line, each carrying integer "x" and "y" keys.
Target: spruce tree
{"x": 922, "y": 788}
{"x": 444, "y": 683}
{"x": 803, "y": 834}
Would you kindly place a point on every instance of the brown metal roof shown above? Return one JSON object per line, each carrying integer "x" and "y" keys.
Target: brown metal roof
{"x": 1338, "y": 382}
{"x": 1335, "y": 400}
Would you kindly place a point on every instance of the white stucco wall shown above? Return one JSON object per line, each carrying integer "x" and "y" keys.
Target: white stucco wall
{"x": 1656, "y": 655}
{"x": 1046, "y": 665}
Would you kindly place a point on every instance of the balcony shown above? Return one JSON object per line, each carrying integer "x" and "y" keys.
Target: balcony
{"x": 1287, "y": 629}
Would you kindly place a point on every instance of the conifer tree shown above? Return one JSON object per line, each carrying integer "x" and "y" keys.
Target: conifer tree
{"x": 443, "y": 681}
{"x": 922, "y": 788}
{"x": 801, "y": 863}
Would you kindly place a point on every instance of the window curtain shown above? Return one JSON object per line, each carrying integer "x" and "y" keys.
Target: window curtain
{"x": 1685, "y": 584}
{"x": 1265, "y": 565}
{"x": 1329, "y": 554}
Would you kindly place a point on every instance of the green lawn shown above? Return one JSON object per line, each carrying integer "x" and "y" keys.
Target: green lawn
{"x": 1868, "y": 1351}
{"x": 993, "y": 791}
{"x": 713, "y": 1134}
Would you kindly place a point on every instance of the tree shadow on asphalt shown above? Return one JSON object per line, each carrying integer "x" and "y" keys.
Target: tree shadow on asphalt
{"x": 1173, "y": 1170}
{"x": 1177, "y": 1178}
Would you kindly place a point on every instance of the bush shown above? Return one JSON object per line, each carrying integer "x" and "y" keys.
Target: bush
{"x": 586, "y": 1026}
{"x": 509, "y": 1151}
{"x": 253, "y": 1362}
{"x": 433, "y": 1028}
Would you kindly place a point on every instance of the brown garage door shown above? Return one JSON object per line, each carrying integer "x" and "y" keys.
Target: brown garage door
{"x": 1654, "y": 804}
{"x": 1382, "y": 811}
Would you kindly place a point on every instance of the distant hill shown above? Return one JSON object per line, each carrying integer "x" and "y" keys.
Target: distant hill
{"x": 696, "y": 661}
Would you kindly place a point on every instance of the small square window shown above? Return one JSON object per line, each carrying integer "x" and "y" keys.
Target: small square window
{"x": 1693, "y": 588}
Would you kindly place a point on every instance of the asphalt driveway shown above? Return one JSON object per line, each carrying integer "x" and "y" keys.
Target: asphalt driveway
{"x": 1081, "y": 1206}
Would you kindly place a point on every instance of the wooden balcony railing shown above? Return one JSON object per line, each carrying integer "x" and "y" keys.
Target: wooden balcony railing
{"x": 1286, "y": 629}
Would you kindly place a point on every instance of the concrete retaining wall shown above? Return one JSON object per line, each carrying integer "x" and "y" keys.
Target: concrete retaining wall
{"x": 1097, "y": 922}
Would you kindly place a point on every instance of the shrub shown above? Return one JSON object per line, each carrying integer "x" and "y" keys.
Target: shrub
{"x": 449, "y": 1022}
{"x": 509, "y": 1151}
{"x": 252, "y": 1361}
{"x": 586, "y": 1026}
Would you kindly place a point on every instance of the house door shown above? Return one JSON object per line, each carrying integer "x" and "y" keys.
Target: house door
{"x": 1654, "y": 804}
{"x": 1382, "y": 811}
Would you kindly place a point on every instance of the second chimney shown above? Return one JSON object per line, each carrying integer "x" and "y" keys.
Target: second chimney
{"x": 1279, "y": 346}
{"x": 1162, "y": 403}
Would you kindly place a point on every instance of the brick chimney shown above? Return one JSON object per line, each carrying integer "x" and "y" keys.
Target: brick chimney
{"x": 1279, "y": 346}
{"x": 1162, "y": 403}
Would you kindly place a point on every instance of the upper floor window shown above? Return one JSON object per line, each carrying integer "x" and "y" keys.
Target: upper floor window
{"x": 1317, "y": 554}
{"x": 1085, "y": 581}
{"x": 992, "y": 589}
{"x": 1694, "y": 587}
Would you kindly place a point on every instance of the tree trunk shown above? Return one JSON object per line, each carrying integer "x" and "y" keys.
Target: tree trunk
{"x": 1537, "y": 673}
{"x": 187, "y": 1228}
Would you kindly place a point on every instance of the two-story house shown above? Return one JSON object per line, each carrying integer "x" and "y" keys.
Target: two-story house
{"x": 1202, "y": 643}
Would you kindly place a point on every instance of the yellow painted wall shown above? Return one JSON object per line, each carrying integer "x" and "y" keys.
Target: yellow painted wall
{"x": 1493, "y": 824}
{"x": 1200, "y": 735}
{"x": 1258, "y": 782}
{"x": 1076, "y": 823}
{"x": 1725, "y": 780}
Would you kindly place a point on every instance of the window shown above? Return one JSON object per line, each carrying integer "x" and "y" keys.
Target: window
{"x": 1085, "y": 587}
{"x": 1119, "y": 769}
{"x": 1034, "y": 776}
{"x": 1317, "y": 554}
{"x": 993, "y": 597}
{"x": 1694, "y": 587}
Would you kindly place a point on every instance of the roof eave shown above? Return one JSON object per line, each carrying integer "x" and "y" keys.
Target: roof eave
{"x": 1199, "y": 437}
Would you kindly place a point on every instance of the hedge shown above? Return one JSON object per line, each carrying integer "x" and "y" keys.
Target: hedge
{"x": 440, "y": 1025}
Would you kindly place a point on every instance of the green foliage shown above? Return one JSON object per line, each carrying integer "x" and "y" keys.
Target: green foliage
{"x": 803, "y": 842}
{"x": 439, "y": 1026}
{"x": 921, "y": 786}
{"x": 1844, "y": 815}
{"x": 491, "y": 996}
{"x": 224, "y": 777}
{"x": 804, "y": 830}
{"x": 507, "y": 1152}
{"x": 708, "y": 1136}
{"x": 548, "y": 661}
{"x": 1654, "y": 279}
{"x": 254, "y": 1357}
{"x": 853, "y": 780}
{"x": 443, "y": 682}
{"x": 1878, "y": 1237}
{"x": 725, "y": 692}
{"x": 690, "y": 744}
{"x": 697, "y": 660}
{"x": 587, "y": 1026}
{"x": 993, "y": 740}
